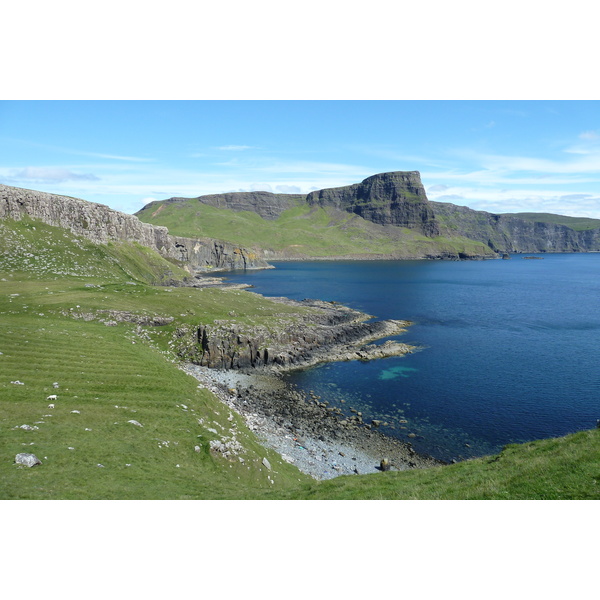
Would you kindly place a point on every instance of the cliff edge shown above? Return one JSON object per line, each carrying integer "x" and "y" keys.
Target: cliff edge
{"x": 396, "y": 198}
{"x": 101, "y": 224}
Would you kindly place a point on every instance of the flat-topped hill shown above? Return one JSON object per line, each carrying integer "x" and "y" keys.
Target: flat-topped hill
{"x": 386, "y": 215}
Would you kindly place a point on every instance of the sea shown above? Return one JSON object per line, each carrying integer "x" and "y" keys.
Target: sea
{"x": 508, "y": 350}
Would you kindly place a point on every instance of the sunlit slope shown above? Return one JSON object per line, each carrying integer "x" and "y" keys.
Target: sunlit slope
{"x": 127, "y": 423}
{"x": 76, "y": 315}
{"x": 566, "y": 468}
{"x": 304, "y": 231}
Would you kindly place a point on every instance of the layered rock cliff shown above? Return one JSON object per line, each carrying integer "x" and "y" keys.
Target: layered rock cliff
{"x": 505, "y": 233}
{"x": 328, "y": 332}
{"x": 101, "y": 224}
{"x": 267, "y": 205}
{"x": 396, "y": 198}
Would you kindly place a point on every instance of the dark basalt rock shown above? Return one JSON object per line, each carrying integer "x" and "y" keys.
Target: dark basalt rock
{"x": 396, "y": 198}
{"x": 508, "y": 234}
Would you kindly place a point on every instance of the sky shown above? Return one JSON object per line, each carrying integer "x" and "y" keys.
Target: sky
{"x": 498, "y": 156}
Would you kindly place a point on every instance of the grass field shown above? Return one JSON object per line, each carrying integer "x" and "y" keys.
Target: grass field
{"x": 56, "y": 290}
{"x": 303, "y": 231}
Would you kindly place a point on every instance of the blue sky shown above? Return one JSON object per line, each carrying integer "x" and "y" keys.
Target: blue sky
{"x": 499, "y": 156}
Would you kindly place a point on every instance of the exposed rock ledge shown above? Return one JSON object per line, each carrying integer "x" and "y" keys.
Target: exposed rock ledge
{"x": 319, "y": 332}
{"x": 101, "y": 224}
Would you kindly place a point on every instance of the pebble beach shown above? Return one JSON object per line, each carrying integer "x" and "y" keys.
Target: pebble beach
{"x": 303, "y": 434}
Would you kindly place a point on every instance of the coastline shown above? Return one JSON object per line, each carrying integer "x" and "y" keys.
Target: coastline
{"x": 303, "y": 429}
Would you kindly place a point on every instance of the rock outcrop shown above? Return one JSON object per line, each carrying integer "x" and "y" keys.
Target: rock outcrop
{"x": 330, "y": 332}
{"x": 396, "y": 198}
{"x": 265, "y": 204}
{"x": 505, "y": 233}
{"x": 101, "y": 224}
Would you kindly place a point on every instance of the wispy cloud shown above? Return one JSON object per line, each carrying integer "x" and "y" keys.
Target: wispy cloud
{"x": 236, "y": 148}
{"x": 79, "y": 152}
{"x": 49, "y": 175}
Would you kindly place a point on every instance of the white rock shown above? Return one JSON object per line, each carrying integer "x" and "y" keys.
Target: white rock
{"x": 76, "y": 412}
{"x": 29, "y": 460}
{"x": 266, "y": 463}
{"x": 52, "y": 397}
{"x": 28, "y": 427}
{"x": 50, "y": 405}
{"x": 136, "y": 423}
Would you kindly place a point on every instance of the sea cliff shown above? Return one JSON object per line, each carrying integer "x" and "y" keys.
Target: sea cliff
{"x": 101, "y": 225}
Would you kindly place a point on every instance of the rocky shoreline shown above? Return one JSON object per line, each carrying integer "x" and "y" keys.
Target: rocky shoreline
{"x": 304, "y": 429}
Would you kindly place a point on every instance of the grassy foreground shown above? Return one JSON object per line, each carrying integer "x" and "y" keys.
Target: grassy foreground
{"x": 54, "y": 328}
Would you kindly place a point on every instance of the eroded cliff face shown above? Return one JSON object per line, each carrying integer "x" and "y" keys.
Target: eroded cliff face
{"x": 101, "y": 224}
{"x": 329, "y": 332}
{"x": 511, "y": 234}
{"x": 267, "y": 205}
{"x": 396, "y": 198}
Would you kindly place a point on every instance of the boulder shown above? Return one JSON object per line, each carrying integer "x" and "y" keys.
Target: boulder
{"x": 29, "y": 460}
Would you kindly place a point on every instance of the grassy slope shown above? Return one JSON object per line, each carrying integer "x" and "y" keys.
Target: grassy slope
{"x": 576, "y": 223}
{"x": 555, "y": 469}
{"x": 301, "y": 231}
{"x": 111, "y": 375}
{"x": 100, "y": 368}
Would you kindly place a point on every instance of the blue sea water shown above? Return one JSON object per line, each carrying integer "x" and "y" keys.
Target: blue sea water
{"x": 509, "y": 348}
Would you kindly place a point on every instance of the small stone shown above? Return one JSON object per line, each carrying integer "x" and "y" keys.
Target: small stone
{"x": 136, "y": 423}
{"x": 266, "y": 463}
{"x": 75, "y": 412}
{"x": 197, "y": 448}
{"x": 99, "y": 465}
{"x": 29, "y": 460}
{"x": 412, "y": 435}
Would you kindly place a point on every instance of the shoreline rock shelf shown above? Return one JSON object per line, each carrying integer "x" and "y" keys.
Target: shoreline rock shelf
{"x": 326, "y": 332}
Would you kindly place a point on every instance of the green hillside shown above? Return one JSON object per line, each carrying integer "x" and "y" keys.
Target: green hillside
{"x": 91, "y": 319}
{"x": 303, "y": 231}
{"x": 576, "y": 223}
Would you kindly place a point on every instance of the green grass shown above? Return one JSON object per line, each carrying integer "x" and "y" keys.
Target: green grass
{"x": 303, "y": 231}
{"x": 576, "y": 223}
{"x": 113, "y": 374}
{"x": 44, "y": 338}
{"x": 565, "y": 468}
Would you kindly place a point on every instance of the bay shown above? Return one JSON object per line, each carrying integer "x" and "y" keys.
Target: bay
{"x": 508, "y": 348}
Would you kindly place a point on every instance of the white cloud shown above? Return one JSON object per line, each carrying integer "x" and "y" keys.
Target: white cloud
{"x": 50, "y": 175}
{"x": 236, "y": 148}
{"x": 261, "y": 187}
{"x": 288, "y": 189}
{"x": 589, "y": 135}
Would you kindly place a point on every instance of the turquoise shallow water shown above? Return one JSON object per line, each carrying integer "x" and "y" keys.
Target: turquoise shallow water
{"x": 509, "y": 348}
